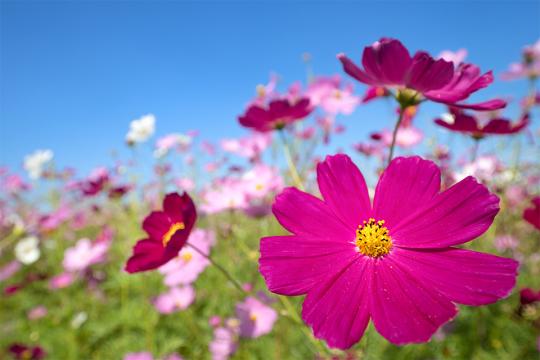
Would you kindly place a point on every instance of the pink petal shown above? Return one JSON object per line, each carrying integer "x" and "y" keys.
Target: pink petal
{"x": 460, "y": 214}
{"x": 338, "y": 309}
{"x": 304, "y": 214}
{"x": 292, "y": 265}
{"x": 464, "y": 276}
{"x": 344, "y": 189}
{"x": 354, "y": 71}
{"x": 402, "y": 308}
{"x": 404, "y": 185}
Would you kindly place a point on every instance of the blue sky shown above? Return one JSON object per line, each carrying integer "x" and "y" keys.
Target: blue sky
{"x": 74, "y": 74}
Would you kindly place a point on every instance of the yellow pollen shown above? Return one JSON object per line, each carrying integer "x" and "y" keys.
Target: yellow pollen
{"x": 373, "y": 238}
{"x": 187, "y": 256}
{"x": 259, "y": 187}
{"x": 337, "y": 94}
{"x": 172, "y": 230}
{"x": 253, "y": 317}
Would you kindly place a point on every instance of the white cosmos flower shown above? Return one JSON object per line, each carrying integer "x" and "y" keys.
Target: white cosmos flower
{"x": 35, "y": 162}
{"x": 141, "y": 129}
{"x": 27, "y": 250}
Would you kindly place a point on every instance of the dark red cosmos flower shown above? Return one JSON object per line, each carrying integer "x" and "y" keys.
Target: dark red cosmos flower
{"x": 167, "y": 230}
{"x": 387, "y": 63}
{"x": 528, "y": 296}
{"x": 532, "y": 214}
{"x": 471, "y": 125}
{"x": 278, "y": 114}
{"x": 21, "y": 351}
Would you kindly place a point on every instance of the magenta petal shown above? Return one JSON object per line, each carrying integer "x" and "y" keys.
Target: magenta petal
{"x": 344, "y": 189}
{"x": 147, "y": 255}
{"x": 338, "y": 309}
{"x": 494, "y": 104}
{"x": 464, "y": 276}
{"x": 394, "y": 61}
{"x": 354, "y": 71}
{"x": 405, "y": 184}
{"x": 292, "y": 265}
{"x": 402, "y": 308}
{"x": 157, "y": 224}
{"x": 427, "y": 73}
{"x": 304, "y": 214}
{"x": 460, "y": 214}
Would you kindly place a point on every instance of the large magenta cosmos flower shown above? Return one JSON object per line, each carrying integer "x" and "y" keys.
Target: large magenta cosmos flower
{"x": 532, "y": 214}
{"x": 167, "y": 230}
{"x": 466, "y": 123}
{"x": 278, "y": 114}
{"x": 395, "y": 262}
{"x": 388, "y": 64}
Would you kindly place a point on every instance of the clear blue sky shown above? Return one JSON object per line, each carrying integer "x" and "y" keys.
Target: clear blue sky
{"x": 74, "y": 74}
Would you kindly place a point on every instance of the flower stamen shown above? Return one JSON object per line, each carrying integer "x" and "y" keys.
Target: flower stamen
{"x": 373, "y": 238}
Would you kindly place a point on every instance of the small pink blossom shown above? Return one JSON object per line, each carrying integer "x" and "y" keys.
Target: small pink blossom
{"x": 176, "y": 299}
{"x": 224, "y": 343}
{"x": 61, "y": 281}
{"x": 37, "y": 312}
{"x": 256, "y": 318}
{"x": 84, "y": 254}
{"x": 506, "y": 242}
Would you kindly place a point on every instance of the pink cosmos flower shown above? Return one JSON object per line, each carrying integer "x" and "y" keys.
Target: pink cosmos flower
{"x": 189, "y": 264}
{"x": 406, "y": 137}
{"x": 9, "y": 270}
{"x": 226, "y": 194}
{"x": 171, "y": 142}
{"x": 460, "y": 121}
{"x": 394, "y": 261}
{"x": 387, "y": 63}
{"x": 14, "y": 184}
{"x": 456, "y": 57}
{"x": 260, "y": 181}
{"x": 139, "y": 356}
{"x": 51, "y": 221}
{"x": 327, "y": 93}
{"x": 256, "y": 318}
{"x": 277, "y": 115}
{"x": 37, "y": 312}
{"x": 250, "y": 146}
{"x": 224, "y": 343}
{"x": 532, "y": 214}
{"x": 185, "y": 184}
{"x": 176, "y": 299}
{"x": 506, "y": 242}
{"x": 529, "y": 67}
{"x": 61, "y": 281}
{"x": 84, "y": 254}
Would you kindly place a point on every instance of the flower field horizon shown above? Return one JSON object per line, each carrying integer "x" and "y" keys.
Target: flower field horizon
{"x": 282, "y": 239}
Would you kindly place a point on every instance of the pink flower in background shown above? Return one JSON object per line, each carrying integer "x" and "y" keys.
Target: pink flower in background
{"x": 225, "y": 194}
{"x": 61, "y": 281}
{"x": 53, "y": 220}
{"x": 277, "y": 115}
{"x": 139, "y": 356}
{"x": 176, "y": 299}
{"x": 329, "y": 127}
{"x": 14, "y": 184}
{"x": 84, "y": 254}
{"x": 394, "y": 261}
{"x": 27, "y": 352}
{"x": 529, "y": 67}
{"x": 208, "y": 148}
{"x": 224, "y": 343}
{"x": 369, "y": 149}
{"x": 387, "y": 63}
{"x": 532, "y": 214}
{"x": 37, "y": 312}
{"x": 456, "y": 57}
{"x": 327, "y": 93}
{"x": 506, "y": 242}
{"x": 171, "y": 142}
{"x": 189, "y": 264}
{"x": 515, "y": 194}
{"x": 261, "y": 180}
{"x": 266, "y": 92}
{"x": 529, "y": 296}
{"x": 9, "y": 270}
{"x": 484, "y": 168}
{"x": 406, "y": 137}
{"x": 459, "y": 121}
{"x": 306, "y": 134}
{"x": 250, "y": 146}
{"x": 256, "y": 318}
{"x": 185, "y": 184}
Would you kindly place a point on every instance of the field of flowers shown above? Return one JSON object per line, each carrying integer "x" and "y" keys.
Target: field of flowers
{"x": 262, "y": 247}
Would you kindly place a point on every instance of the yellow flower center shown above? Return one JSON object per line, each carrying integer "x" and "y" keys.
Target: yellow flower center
{"x": 373, "y": 238}
{"x": 253, "y": 317}
{"x": 187, "y": 256}
{"x": 259, "y": 187}
{"x": 172, "y": 230}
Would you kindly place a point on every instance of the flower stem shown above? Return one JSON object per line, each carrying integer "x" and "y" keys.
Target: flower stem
{"x": 229, "y": 277}
{"x": 394, "y": 134}
{"x": 292, "y": 168}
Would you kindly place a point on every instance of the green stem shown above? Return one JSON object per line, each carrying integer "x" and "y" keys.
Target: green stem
{"x": 229, "y": 277}
{"x": 288, "y": 157}
{"x": 394, "y": 135}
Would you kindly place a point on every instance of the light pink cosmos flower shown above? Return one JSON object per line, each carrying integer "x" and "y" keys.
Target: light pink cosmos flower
{"x": 185, "y": 184}
{"x": 457, "y": 57}
{"x": 14, "y": 184}
{"x": 256, "y": 318}
{"x": 261, "y": 180}
{"x": 176, "y": 299}
{"x": 9, "y": 270}
{"x": 189, "y": 264}
{"x": 171, "y": 142}
{"x": 37, "y": 312}
{"x": 251, "y": 146}
{"x": 139, "y": 356}
{"x": 406, "y": 137}
{"x": 225, "y": 194}
{"x": 224, "y": 343}
{"x": 394, "y": 261}
{"x": 327, "y": 93}
{"x": 484, "y": 168}
{"x": 506, "y": 242}
{"x": 61, "y": 281}
{"x": 84, "y": 254}
{"x": 51, "y": 221}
